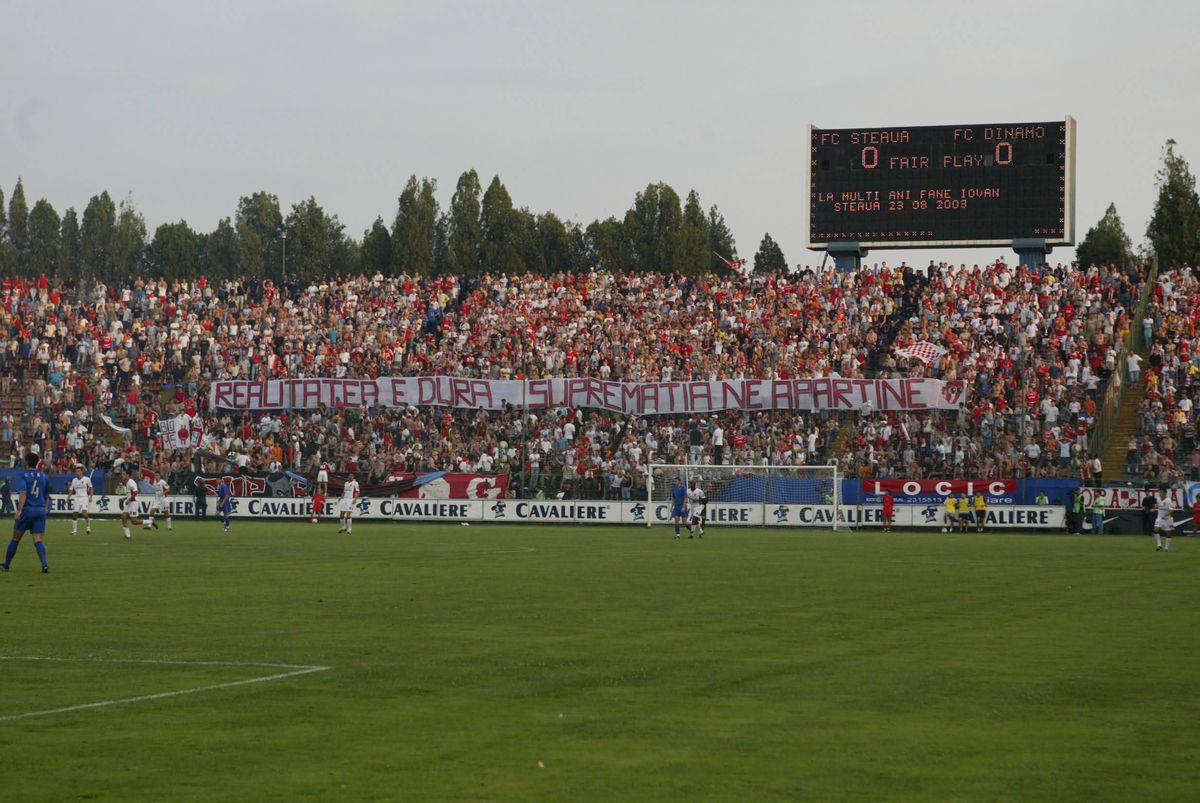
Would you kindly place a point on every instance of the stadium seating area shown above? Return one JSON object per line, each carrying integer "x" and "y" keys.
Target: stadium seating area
{"x": 1163, "y": 449}
{"x": 1036, "y": 347}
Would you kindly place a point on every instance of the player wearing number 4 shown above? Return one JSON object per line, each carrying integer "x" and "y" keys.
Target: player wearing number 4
{"x": 31, "y": 486}
{"x": 81, "y": 500}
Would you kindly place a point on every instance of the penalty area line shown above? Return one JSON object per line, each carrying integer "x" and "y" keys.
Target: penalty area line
{"x": 295, "y": 671}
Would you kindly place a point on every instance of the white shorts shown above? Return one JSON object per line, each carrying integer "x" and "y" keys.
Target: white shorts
{"x": 347, "y": 506}
{"x": 79, "y": 504}
{"x": 322, "y": 476}
{"x": 1164, "y": 524}
{"x": 160, "y": 505}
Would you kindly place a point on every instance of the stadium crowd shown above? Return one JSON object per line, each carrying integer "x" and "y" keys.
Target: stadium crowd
{"x": 1163, "y": 448}
{"x": 1035, "y": 346}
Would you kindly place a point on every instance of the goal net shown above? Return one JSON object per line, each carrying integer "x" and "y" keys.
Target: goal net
{"x": 752, "y": 495}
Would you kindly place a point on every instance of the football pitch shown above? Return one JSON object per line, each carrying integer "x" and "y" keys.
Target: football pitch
{"x": 440, "y": 662}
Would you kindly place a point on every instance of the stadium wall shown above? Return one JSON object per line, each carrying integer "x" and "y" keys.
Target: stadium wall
{"x": 720, "y": 514}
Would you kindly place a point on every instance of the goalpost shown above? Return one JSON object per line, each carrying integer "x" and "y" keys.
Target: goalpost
{"x": 772, "y": 487}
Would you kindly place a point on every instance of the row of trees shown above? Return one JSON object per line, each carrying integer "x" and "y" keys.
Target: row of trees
{"x": 480, "y": 231}
{"x": 1173, "y": 233}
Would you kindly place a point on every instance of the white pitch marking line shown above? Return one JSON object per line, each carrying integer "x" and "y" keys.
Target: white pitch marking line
{"x": 297, "y": 670}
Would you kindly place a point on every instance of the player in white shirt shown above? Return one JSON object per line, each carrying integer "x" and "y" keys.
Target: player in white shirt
{"x": 349, "y": 494}
{"x": 698, "y": 507}
{"x": 1164, "y": 523}
{"x": 81, "y": 500}
{"x": 323, "y": 479}
{"x": 159, "y": 505}
{"x": 129, "y": 504}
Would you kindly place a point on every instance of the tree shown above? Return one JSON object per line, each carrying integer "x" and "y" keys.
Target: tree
{"x": 18, "y": 222}
{"x": 315, "y": 240}
{"x": 345, "y": 254}
{"x": 175, "y": 252}
{"x": 605, "y": 244}
{"x": 577, "y": 246}
{"x": 250, "y": 250}
{"x": 554, "y": 244}
{"x": 498, "y": 231}
{"x": 527, "y": 241}
{"x": 220, "y": 250}
{"x": 259, "y": 224}
{"x": 8, "y": 255}
{"x": 42, "y": 257}
{"x": 70, "y": 246}
{"x": 1174, "y": 228}
{"x": 653, "y": 230}
{"x": 377, "y": 248}
{"x": 415, "y": 230}
{"x": 668, "y": 251}
{"x": 720, "y": 242}
{"x": 464, "y": 234}
{"x": 769, "y": 256}
{"x": 1106, "y": 243}
{"x": 99, "y": 223}
{"x": 128, "y": 241}
{"x": 441, "y": 244}
{"x": 695, "y": 255}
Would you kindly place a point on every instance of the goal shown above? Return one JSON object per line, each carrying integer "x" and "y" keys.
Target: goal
{"x": 754, "y": 495}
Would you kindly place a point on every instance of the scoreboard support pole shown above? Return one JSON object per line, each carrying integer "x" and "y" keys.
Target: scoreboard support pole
{"x": 1031, "y": 252}
{"x": 847, "y": 256}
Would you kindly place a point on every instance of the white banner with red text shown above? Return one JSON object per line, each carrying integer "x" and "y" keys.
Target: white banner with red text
{"x": 1129, "y": 498}
{"x": 634, "y": 398}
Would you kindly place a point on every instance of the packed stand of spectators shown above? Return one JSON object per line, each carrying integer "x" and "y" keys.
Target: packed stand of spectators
{"x": 1163, "y": 449}
{"x": 1036, "y": 348}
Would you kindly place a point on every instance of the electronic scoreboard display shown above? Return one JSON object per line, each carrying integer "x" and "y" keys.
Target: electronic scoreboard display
{"x": 951, "y": 185}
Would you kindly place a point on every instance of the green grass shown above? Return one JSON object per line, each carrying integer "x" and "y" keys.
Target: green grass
{"x": 577, "y": 663}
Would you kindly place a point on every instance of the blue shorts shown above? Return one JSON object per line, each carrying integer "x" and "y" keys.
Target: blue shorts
{"x": 225, "y": 508}
{"x": 31, "y": 521}
{"x": 679, "y": 512}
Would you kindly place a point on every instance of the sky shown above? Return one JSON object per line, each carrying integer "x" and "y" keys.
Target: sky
{"x": 185, "y": 107}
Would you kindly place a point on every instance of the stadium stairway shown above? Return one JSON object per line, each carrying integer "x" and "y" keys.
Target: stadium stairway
{"x": 1124, "y": 425}
{"x": 847, "y": 430}
{"x": 12, "y": 403}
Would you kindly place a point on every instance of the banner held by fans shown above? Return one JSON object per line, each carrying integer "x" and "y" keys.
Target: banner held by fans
{"x": 635, "y": 398}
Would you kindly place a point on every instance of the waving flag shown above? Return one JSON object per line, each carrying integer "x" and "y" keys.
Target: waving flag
{"x": 734, "y": 265}
{"x": 923, "y": 351}
{"x": 116, "y": 427}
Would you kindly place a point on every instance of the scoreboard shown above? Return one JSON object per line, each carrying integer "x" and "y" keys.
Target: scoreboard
{"x": 952, "y": 185}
